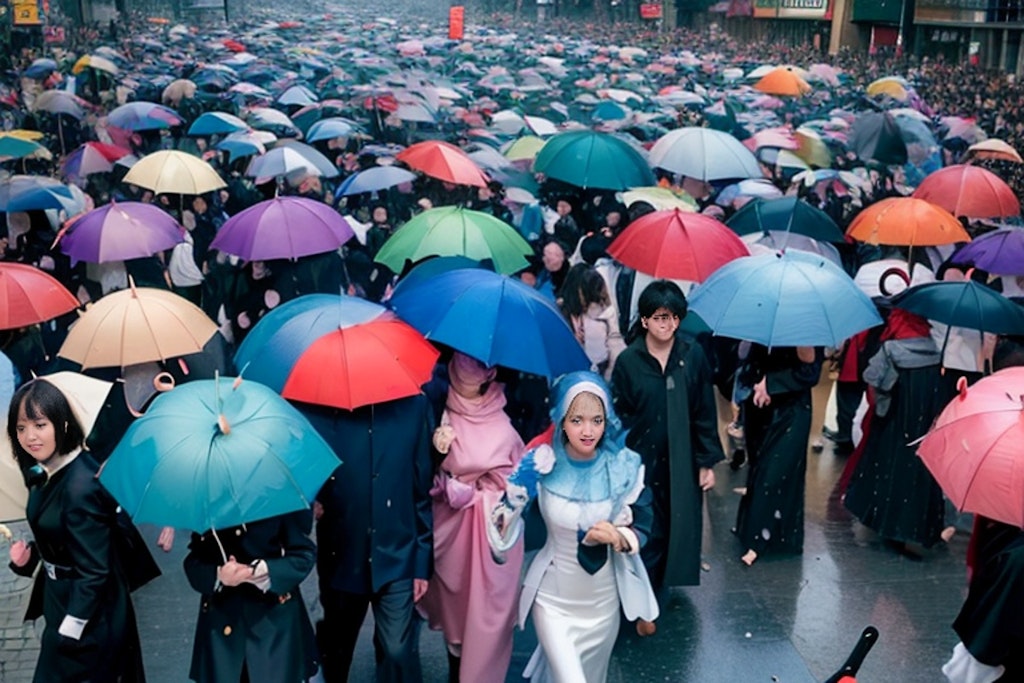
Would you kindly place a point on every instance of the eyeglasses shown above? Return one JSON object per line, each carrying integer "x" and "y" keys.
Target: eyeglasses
{"x": 664, "y": 317}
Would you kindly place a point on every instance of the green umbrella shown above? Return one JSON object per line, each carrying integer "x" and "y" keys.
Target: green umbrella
{"x": 590, "y": 159}
{"x": 454, "y": 231}
{"x": 785, "y": 214}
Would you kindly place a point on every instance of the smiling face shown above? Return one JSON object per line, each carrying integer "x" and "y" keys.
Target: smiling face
{"x": 36, "y": 435}
{"x": 584, "y": 425}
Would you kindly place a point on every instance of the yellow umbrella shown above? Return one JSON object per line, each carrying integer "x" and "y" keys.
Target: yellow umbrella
{"x": 174, "y": 172}
{"x": 812, "y": 148}
{"x": 137, "y": 325}
{"x": 86, "y": 396}
{"x": 784, "y": 82}
{"x": 94, "y": 62}
{"x": 524, "y": 148}
{"x": 893, "y": 86}
{"x": 994, "y": 148}
{"x": 661, "y": 198}
{"x": 20, "y": 147}
{"x": 23, "y": 134}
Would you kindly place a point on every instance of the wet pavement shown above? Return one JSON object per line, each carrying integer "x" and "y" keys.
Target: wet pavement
{"x": 785, "y": 620}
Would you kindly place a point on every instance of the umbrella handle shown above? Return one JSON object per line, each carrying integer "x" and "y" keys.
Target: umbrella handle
{"x": 867, "y": 640}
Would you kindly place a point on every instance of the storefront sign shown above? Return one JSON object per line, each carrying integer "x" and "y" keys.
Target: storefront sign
{"x": 791, "y": 9}
{"x": 26, "y": 13}
{"x": 651, "y": 10}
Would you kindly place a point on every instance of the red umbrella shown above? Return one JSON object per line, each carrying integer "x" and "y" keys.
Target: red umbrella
{"x": 969, "y": 191}
{"x": 677, "y": 245}
{"x": 973, "y": 451}
{"x": 233, "y": 45}
{"x": 372, "y": 362}
{"x": 29, "y": 296}
{"x": 443, "y": 161}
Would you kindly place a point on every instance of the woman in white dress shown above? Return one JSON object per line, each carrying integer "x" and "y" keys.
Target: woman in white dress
{"x": 589, "y": 490}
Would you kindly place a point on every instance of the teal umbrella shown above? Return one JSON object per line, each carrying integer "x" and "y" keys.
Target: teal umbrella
{"x": 590, "y": 159}
{"x": 212, "y": 454}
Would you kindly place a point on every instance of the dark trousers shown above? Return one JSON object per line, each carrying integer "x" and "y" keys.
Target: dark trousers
{"x": 848, "y": 396}
{"x": 395, "y": 635}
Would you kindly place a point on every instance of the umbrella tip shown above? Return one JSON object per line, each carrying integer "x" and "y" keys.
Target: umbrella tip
{"x": 222, "y": 425}
{"x": 237, "y": 383}
{"x": 961, "y": 387}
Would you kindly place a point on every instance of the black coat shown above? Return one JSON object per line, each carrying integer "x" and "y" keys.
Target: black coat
{"x": 268, "y": 633}
{"x": 76, "y": 529}
{"x": 377, "y": 524}
{"x": 673, "y": 424}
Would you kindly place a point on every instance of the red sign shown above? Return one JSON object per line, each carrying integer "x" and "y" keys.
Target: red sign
{"x": 456, "y": 16}
{"x": 53, "y": 34}
{"x": 650, "y": 10}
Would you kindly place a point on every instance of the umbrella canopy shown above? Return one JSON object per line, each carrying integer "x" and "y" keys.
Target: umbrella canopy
{"x": 283, "y": 161}
{"x": 94, "y": 62}
{"x": 969, "y": 191}
{"x": 60, "y": 102}
{"x": 973, "y": 450}
{"x": 455, "y": 231}
{"x": 137, "y": 325}
{"x": 217, "y": 123}
{"x": 375, "y": 179}
{"x": 283, "y": 227}
{"x": 784, "y": 82}
{"x": 784, "y": 299}
{"x": 785, "y": 214}
{"x": 876, "y": 137}
{"x": 524, "y": 148}
{"x": 174, "y": 172}
{"x": 31, "y": 192}
{"x": 121, "y": 231}
{"x": 893, "y": 86}
{"x": 331, "y": 128}
{"x": 217, "y": 453}
{"x": 906, "y": 221}
{"x": 1000, "y": 252}
{"x": 661, "y": 198}
{"x": 590, "y": 159}
{"x": 494, "y": 318}
{"x": 443, "y": 161}
{"x": 963, "y": 304}
{"x": 994, "y": 148}
{"x": 677, "y": 245}
{"x": 16, "y": 147}
{"x": 178, "y": 90}
{"x": 704, "y": 154}
{"x": 29, "y": 296}
{"x": 245, "y": 143}
{"x": 137, "y": 116}
{"x": 92, "y": 157}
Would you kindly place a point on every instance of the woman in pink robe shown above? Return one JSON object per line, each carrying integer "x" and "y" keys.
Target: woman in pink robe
{"x": 472, "y": 598}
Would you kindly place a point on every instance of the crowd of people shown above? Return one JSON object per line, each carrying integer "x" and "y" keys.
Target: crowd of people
{"x": 440, "y": 495}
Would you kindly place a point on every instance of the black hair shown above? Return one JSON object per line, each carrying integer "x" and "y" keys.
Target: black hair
{"x": 658, "y": 294}
{"x": 43, "y": 399}
{"x": 589, "y": 287}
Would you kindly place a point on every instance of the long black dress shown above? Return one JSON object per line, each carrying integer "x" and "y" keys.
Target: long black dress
{"x": 891, "y": 490}
{"x": 75, "y": 525}
{"x": 672, "y": 420}
{"x": 771, "y": 512}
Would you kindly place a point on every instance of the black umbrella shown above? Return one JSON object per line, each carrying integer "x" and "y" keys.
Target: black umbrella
{"x": 876, "y": 137}
{"x": 963, "y": 304}
{"x": 785, "y": 214}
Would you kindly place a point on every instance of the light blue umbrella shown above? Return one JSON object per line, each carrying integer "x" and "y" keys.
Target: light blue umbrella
{"x": 375, "y": 179}
{"x": 329, "y": 129}
{"x": 791, "y": 298}
{"x": 217, "y": 123}
{"x": 704, "y": 154}
{"x": 212, "y": 454}
{"x": 298, "y": 95}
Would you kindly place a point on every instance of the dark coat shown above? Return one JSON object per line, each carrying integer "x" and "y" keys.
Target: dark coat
{"x": 377, "y": 524}
{"x": 673, "y": 424}
{"x": 76, "y": 529}
{"x": 268, "y": 633}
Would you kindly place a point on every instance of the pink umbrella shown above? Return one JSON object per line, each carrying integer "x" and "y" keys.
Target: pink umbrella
{"x": 974, "y": 452}
{"x": 779, "y": 138}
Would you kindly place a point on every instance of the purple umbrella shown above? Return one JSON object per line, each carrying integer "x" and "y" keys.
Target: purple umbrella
{"x": 1000, "y": 252}
{"x": 120, "y": 231}
{"x": 283, "y": 227}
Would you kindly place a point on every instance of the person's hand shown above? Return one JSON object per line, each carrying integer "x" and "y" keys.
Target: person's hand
{"x": 166, "y": 539}
{"x": 761, "y": 397}
{"x": 604, "y": 533}
{"x": 443, "y": 438}
{"x": 318, "y": 510}
{"x": 232, "y": 573}
{"x": 21, "y": 553}
{"x": 47, "y": 263}
{"x": 419, "y": 589}
{"x": 706, "y": 478}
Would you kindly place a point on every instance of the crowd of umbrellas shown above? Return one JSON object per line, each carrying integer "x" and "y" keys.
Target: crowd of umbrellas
{"x": 272, "y": 100}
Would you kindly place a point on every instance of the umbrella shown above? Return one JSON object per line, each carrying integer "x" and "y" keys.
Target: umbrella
{"x": 29, "y": 296}
{"x": 86, "y": 396}
{"x": 661, "y": 198}
{"x": 969, "y": 191}
{"x": 443, "y": 161}
{"x": 298, "y": 95}
{"x": 277, "y": 122}
{"x": 704, "y": 154}
{"x": 322, "y": 164}
{"x": 217, "y": 453}
{"x": 16, "y": 147}
{"x": 217, "y": 123}
{"x": 893, "y": 86}
{"x": 60, "y": 102}
{"x": 40, "y": 69}
{"x": 375, "y": 179}
{"x": 906, "y": 221}
{"x": 174, "y": 172}
{"x": 677, "y": 245}
{"x": 494, "y": 318}
{"x": 92, "y": 157}
{"x": 524, "y": 148}
{"x": 784, "y": 299}
{"x": 1000, "y": 252}
{"x": 94, "y": 62}
{"x": 963, "y": 304}
{"x": 455, "y": 231}
{"x": 137, "y": 325}
{"x": 785, "y": 214}
{"x": 994, "y": 149}
{"x": 593, "y": 160}
{"x": 973, "y": 450}
{"x": 121, "y": 231}
{"x": 775, "y": 241}
{"x": 329, "y": 129}
{"x": 876, "y": 137}
{"x": 178, "y": 90}
{"x": 136, "y": 116}
{"x": 287, "y": 330}
{"x": 784, "y": 82}
{"x": 283, "y": 227}
{"x": 27, "y": 193}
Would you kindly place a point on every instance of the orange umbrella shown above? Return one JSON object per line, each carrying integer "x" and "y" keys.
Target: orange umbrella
{"x": 29, "y": 296}
{"x": 443, "y": 161}
{"x": 969, "y": 191}
{"x": 906, "y": 221}
{"x": 782, "y": 81}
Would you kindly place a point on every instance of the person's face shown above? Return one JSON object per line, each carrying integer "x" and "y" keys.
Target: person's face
{"x": 484, "y": 194}
{"x": 199, "y": 205}
{"x": 553, "y": 257}
{"x": 380, "y": 215}
{"x": 584, "y": 426}
{"x": 613, "y": 219}
{"x": 37, "y": 436}
{"x": 563, "y": 208}
{"x": 662, "y": 325}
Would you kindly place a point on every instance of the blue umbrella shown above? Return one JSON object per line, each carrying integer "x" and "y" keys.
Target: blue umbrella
{"x": 40, "y": 69}
{"x": 217, "y": 123}
{"x": 494, "y": 318}
{"x": 784, "y": 299}
{"x": 590, "y": 159}
{"x": 216, "y": 453}
{"x": 285, "y": 332}
{"x": 26, "y": 193}
{"x": 963, "y": 304}
{"x": 375, "y": 179}
{"x": 329, "y": 129}
{"x": 143, "y": 116}
{"x": 435, "y": 266}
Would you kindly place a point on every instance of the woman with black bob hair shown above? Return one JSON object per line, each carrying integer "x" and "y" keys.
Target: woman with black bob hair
{"x": 83, "y": 589}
